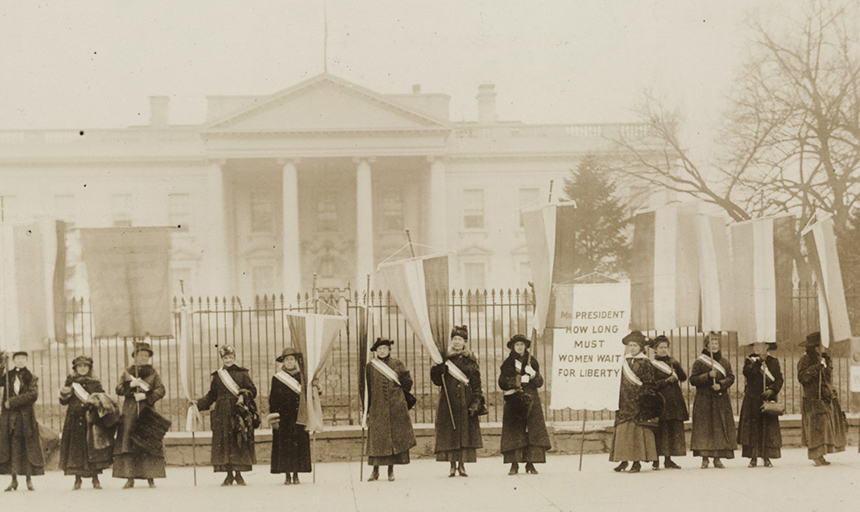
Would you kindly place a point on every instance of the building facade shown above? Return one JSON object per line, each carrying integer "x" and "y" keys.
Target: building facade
{"x": 322, "y": 178}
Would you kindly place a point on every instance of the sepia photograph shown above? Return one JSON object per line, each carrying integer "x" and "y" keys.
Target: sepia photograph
{"x": 382, "y": 255}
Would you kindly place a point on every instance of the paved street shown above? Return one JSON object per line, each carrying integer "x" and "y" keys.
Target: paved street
{"x": 794, "y": 484}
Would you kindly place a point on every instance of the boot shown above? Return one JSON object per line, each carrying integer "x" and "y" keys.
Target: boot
{"x": 287, "y": 480}
{"x": 635, "y": 468}
{"x": 621, "y": 467}
{"x": 239, "y": 479}
{"x": 718, "y": 463}
{"x": 295, "y": 478}
{"x": 30, "y": 486}
{"x": 78, "y": 483}
{"x": 228, "y": 480}
{"x": 753, "y": 462}
{"x": 462, "y": 469}
{"x": 390, "y": 473}
{"x": 453, "y": 470}
{"x": 767, "y": 462}
{"x": 96, "y": 483}
{"x": 704, "y": 463}
{"x": 530, "y": 468}
{"x": 670, "y": 464}
{"x": 655, "y": 465}
{"x": 514, "y": 468}
{"x": 374, "y": 475}
{"x": 13, "y": 485}
{"x": 151, "y": 482}
{"x": 128, "y": 483}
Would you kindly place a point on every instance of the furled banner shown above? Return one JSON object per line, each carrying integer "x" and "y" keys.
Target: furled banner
{"x": 365, "y": 326}
{"x": 762, "y": 263}
{"x": 419, "y": 286}
{"x": 587, "y": 357}
{"x": 314, "y": 334}
{"x": 664, "y": 274}
{"x": 128, "y": 270}
{"x": 715, "y": 274}
{"x": 551, "y": 241}
{"x": 824, "y": 260}
{"x": 27, "y": 292}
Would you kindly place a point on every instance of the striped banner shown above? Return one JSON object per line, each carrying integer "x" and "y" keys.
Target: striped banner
{"x": 762, "y": 267}
{"x": 715, "y": 274}
{"x": 665, "y": 268}
{"x": 822, "y": 257}
{"x": 419, "y": 286}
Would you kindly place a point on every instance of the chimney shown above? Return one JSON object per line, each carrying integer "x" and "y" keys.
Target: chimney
{"x": 159, "y": 109}
{"x": 486, "y": 103}
{"x": 416, "y": 89}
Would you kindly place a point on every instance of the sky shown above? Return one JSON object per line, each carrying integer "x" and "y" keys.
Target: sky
{"x": 92, "y": 64}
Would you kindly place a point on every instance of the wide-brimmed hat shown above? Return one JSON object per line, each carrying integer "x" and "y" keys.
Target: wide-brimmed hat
{"x": 519, "y": 337}
{"x": 635, "y": 337}
{"x": 82, "y": 360}
{"x": 461, "y": 331}
{"x": 813, "y": 339}
{"x": 226, "y": 350}
{"x": 142, "y": 347}
{"x": 379, "y": 342}
{"x": 289, "y": 351}
{"x": 662, "y": 338}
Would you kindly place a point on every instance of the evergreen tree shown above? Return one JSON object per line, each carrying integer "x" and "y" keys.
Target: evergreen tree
{"x": 601, "y": 219}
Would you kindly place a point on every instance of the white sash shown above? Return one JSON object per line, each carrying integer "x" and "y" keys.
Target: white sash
{"x": 456, "y": 372}
{"x": 143, "y": 385}
{"x": 80, "y": 392}
{"x": 664, "y": 367}
{"x": 289, "y": 381}
{"x": 228, "y": 381}
{"x": 385, "y": 370}
{"x": 628, "y": 372}
{"x": 713, "y": 364}
{"x": 767, "y": 373}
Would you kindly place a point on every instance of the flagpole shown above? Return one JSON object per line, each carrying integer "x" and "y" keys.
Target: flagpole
{"x": 310, "y": 402}
{"x": 444, "y": 385}
{"x": 364, "y": 374}
{"x": 582, "y": 440}
{"x": 183, "y": 326}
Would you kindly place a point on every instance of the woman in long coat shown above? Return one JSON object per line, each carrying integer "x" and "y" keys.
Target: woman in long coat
{"x": 291, "y": 443}
{"x": 823, "y": 423}
{"x": 20, "y": 445}
{"x": 669, "y": 375}
{"x": 462, "y": 380}
{"x": 231, "y": 392}
{"x": 759, "y": 434}
{"x": 524, "y": 436}
{"x": 78, "y": 454}
{"x": 714, "y": 433}
{"x": 632, "y": 440}
{"x": 141, "y": 387}
{"x": 389, "y": 428}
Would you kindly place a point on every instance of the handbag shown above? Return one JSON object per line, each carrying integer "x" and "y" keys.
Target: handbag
{"x": 772, "y": 408}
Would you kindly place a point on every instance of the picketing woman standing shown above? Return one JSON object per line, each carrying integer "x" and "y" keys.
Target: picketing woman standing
{"x": 20, "y": 444}
{"x": 823, "y": 423}
{"x": 668, "y": 376}
{"x": 291, "y": 443}
{"x": 714, "y": 433}
{"x": 758, "y": 432}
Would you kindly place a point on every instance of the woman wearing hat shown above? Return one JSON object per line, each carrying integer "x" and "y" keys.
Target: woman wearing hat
{"x": 461, "y": 398}
{"x": 389, "y": 427}
{"x": 141, "y": 387}
{"x": 822, "y": 423}
{"x": 291, "y": 444}
{"x": 714, "y": 433}
{"x": 232, "y": 393}
{"x": 524, "y": 436}
{"x": 633, "y": 440}
{"x": 78, "y": 455}
{"x": 20, "y": 445}
{"x": 759, "y": 434}
{"x": 669, "y": 375}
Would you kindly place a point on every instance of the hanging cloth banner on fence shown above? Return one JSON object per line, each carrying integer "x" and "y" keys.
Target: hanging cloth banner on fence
{"x": 587, "y": 358}
{"x": 27, "y": 263}
{"x": 186, "y": 362}
{"x": 313, "y": 334}
{"x": 365, "y": 326}
{"x": 419, "y": 286}
{"x": 127, "y": 270}
{"x": 824, "y": 260}
{"x": 715, "y": 274}
{"x": 762, "y": 264}
{"x": 664, "y": 275}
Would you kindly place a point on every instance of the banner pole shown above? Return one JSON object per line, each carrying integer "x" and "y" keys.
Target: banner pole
{"x": 314, "y": 439}
{"x": 582, "y": 440}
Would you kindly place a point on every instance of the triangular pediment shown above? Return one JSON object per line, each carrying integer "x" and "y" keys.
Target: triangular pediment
{"x": 326, "y": 103}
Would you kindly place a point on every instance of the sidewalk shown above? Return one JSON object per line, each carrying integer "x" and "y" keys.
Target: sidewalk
{"x": 794, "y": 484}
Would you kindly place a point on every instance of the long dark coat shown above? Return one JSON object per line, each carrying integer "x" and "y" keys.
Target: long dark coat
{"x": 752, "y": 423}
{"x": 465, "y": 402}
{"x": 517, "y": 432}
{"x": 823, "y": 423}
{"x": 389, "y": 427}
{"x": 128, "y": 419}
{"x": 291, "y": 443}
{"x": 713, "y": 419}
{"x": 227, "y": 449}
{"x": 78, "y": 455}
{"x": 674, "y": 404}
{"x": 630, "y": 395}
{"x": 20, "y": 417}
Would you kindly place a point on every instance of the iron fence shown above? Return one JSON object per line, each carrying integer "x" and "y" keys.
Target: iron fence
{"x": 259, "y": 332}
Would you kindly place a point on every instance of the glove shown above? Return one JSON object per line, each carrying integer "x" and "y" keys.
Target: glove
{"x": 530, "y": 371}
{"x": 473, "y": 409}
{"x": 441, "y": 368}
{"x": 767, "y": 395}
{"x": 524, "y": 379}
{"x": 140, "y": 397}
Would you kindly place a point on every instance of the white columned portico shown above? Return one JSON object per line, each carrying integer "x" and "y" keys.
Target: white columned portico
{"x": 215, "y": 257}
{"x": 292, "y": 269}
{"x": 364, "y": 218}
{"x": 438, "y": 204}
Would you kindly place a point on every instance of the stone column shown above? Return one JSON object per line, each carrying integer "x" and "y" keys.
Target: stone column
{"x": 292, "y": 269}
{"x": 364, "y": 219}
{"x": 438, "y": 211}
{"x": 216, "y": 280}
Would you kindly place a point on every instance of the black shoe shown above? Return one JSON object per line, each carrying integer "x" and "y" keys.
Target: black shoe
{"x": 670, "y": 464}
{"x": 767, "y": 463}
{"x": 228, "y": 480}
{"x": 530, "y": 469}
{"x": 753, "y": 462}
{"x": 128, "y": 483}
{"x": 374, "y": 476}
{"x": 78, "y": 483}
{"x": 151, "y": 482}
{"x": 287, "y": 480}
{"x": 96, "y": 483}
{"x": 515, "y": 468}
{"x": 621, "y": 467}
{"x": 819, "y": 461}
{"x": 705, "y": 463}
{"x": 13, "y": 486}
{"x": 655, "y": 465}
{"x": 718, "y": 463}
{"x": 30, "y": 484}
{"x": 462, "y": 470}
{"x": 390, "y": 474}
{"x": 635, "y": 468}
{"x": 239, "y": 479}
{"x": 452, "y": 472}
{"x": 296, "y": 479}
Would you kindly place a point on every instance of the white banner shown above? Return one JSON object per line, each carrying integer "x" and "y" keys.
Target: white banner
{"x": 587, "y": 358}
